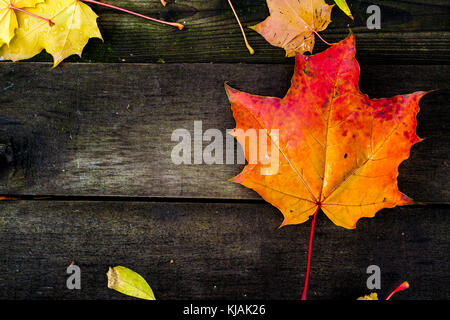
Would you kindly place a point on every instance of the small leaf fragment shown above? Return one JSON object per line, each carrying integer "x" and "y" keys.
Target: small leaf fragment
{"x": 342, "y": 4}
{"x": 128, "y": 282}
{"x": 372, "y": 296}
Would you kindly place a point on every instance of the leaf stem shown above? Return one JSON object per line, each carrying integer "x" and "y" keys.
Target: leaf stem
{"x": 250, "y": 49}
{"x": 305, "y": 289}
{"x": 50, "y": 22}
{"x": 173, "y": 24}
{"x": 403, "y": 286}
{"x": 317, "y": 34}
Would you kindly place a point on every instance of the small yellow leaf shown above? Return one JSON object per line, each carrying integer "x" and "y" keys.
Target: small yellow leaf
{"x": 342, "y": 4}
{"x": 372, "y": 296}
{"x": 128, "y": 282}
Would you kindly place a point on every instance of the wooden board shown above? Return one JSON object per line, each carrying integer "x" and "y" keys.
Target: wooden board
{"x": 218, "y": 250}
{"x": 94, "y": 141}
{"x": 412, "y": 32}
{"x": 105, "y": 129}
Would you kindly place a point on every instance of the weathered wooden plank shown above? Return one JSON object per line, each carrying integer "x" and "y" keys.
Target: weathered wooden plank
{"x": 411, "y": 32}
{"x": 226, "y": 251}
{"x": 105, "y": 129}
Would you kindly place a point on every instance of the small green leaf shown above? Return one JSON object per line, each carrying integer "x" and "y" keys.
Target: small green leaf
{"x": 344, "y": 7}
{"x": 128, "y": 282}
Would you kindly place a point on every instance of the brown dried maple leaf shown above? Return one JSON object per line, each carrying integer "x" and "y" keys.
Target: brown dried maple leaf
{"x": 293, "y": 23}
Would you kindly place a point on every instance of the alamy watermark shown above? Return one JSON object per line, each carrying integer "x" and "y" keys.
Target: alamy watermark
{"x": 374, "y": 280}
{"x": 374, "y": 20}
{"x": 74, "y": 280}
{"x": 260, "y": 145}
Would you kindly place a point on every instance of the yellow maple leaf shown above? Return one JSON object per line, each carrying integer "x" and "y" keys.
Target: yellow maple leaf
{"x": 293, "y": 23}
{"x": 8, "y": 19}
{"x": 74, "y": 24}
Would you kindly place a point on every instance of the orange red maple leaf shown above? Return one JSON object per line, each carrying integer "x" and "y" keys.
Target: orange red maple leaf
{"x": 338, "y": 149}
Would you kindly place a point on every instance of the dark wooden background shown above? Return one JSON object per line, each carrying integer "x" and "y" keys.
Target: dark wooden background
{"x": 86, "y": 148}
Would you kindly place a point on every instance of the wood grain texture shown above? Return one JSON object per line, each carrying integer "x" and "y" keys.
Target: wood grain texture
{"x": 219, "y": 251}
{"x": 105, "y": 129}
{"x": 412, "y": 32}
{"x": 89, "y": 131}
